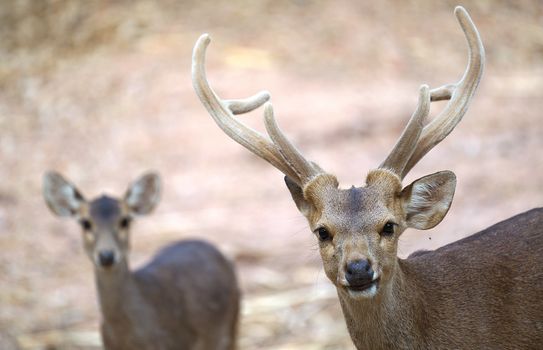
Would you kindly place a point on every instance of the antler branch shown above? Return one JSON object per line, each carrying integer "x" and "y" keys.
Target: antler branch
{"x": 407, "y": 153}
{"x": 282, "y": 155}
{"x": 460, "y": 94}
{"x": 304, "y": 169}
{"x": 405, "y": 146}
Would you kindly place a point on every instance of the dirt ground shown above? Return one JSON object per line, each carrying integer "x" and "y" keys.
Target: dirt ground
{"x": 101, "y": 92}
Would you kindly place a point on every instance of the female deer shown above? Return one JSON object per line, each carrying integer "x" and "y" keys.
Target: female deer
{"x": 186, "y": 297}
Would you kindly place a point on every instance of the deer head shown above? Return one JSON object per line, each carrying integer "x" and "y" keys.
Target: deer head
{"x": 105, "y": 220}
{"x": 358, "y": 228}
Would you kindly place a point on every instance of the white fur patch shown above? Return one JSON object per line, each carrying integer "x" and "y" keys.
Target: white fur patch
{"x": 363, "y": 294}
{"x": 420, "y": 195}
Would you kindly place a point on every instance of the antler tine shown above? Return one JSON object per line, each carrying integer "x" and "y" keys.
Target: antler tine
{"x": 405, "y": 146}
{"x": 223, "y": 113}
{"x": 303, "y": 168}
{"x": 460, "y": 94}
{"x": 248, "y": 104}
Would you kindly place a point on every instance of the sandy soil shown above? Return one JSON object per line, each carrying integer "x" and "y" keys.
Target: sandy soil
{"x": 102, "y": 93}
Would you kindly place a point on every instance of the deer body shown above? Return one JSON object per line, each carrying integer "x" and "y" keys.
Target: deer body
{"x": 168, "y": 304}
{"x": 186, "y": 297}
{"x": 485, "y": 291}
{"x": 475, "y": 293}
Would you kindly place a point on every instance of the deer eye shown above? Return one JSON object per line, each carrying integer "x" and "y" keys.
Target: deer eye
{"x": 125, "y": 222}
{"x": 86, "y": 224}
{"x": 388, "y": 229}
{"x": 323, "y": 234}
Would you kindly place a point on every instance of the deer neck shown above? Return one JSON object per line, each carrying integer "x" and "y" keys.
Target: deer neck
{"x": 121, "y": 300}
{"x": 392, "y": 318}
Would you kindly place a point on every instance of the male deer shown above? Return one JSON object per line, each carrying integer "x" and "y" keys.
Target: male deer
{"x": 185, "y": 298}
{"x": 484, "y": 291}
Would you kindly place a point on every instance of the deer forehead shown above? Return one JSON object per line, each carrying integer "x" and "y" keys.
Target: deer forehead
{"x": 105, "y": 210}
{"x": 356, "y": 208}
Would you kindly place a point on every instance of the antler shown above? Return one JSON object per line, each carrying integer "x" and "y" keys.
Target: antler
{"x": 416, "y": 139}
{"x": 405, "y": 146}
{"x": 279, "y": 152}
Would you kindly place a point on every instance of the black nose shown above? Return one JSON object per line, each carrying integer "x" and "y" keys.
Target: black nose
{"x": 358, "y": 272}
{"x": 106, "y": 258}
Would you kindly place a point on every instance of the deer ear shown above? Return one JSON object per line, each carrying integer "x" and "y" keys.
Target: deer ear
{"x": 297, "y": 194}
{"x": 61, "y": 196}
{"x": 143, "y": 194}
{"x": 427, "y": 200}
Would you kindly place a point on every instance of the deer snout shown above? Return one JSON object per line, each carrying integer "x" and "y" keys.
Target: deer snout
{"x": 106, "y": 258}
{"x": 359, "y": 273}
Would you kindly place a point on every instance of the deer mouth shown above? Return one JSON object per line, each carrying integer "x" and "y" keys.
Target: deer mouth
{"x": 360, "y": 287}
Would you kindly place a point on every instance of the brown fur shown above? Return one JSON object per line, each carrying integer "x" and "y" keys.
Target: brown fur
{"x": 476, "y": 293}
{"x": 468, "y": 295}
{"x": 482, "y": 292}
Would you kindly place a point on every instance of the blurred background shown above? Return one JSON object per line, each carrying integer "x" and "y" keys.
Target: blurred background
{"x": 101, "y": 91}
